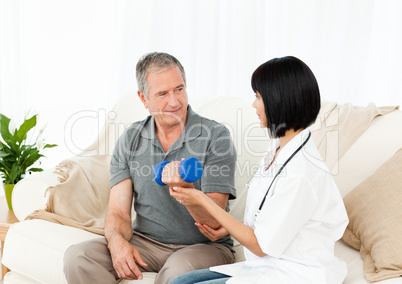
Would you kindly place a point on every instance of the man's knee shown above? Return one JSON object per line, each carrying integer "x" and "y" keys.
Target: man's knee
{"x": 172, "y": 270}
{"x": 71, "y": 255}
{"x": 89, "y": 262}
{"x": 83, "y": 253}
{"x": 193, "y": 257}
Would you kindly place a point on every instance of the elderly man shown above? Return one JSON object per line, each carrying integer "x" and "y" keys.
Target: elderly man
{"x": 163, "y": 237}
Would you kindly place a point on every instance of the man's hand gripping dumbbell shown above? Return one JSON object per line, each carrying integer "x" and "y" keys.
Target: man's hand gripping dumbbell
{"x": 178, "y": 173}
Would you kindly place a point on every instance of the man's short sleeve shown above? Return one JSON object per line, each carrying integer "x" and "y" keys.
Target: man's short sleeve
{"x": 220, "y": 164}
{"x": 119, "y": 168}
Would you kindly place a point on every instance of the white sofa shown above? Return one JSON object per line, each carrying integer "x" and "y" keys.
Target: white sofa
{"x": 34, "y": 249}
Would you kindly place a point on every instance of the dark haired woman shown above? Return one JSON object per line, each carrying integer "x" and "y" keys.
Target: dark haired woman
{"x": 294, "y": 211}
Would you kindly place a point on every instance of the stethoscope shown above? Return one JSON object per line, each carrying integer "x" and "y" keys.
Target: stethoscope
{"x": 278, "y": 173}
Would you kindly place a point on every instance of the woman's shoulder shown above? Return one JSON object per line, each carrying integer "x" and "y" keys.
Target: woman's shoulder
{"x": 311, "y": 160}
{"x": 309, "y": 166}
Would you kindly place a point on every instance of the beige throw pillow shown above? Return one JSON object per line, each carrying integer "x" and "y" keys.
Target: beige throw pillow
{"x": 375, "y": 220}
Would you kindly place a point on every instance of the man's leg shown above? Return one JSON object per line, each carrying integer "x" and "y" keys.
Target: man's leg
{"x": 193, "y": 257}
{"x": 153, "y": 253}
{"x": 89, "y": 262}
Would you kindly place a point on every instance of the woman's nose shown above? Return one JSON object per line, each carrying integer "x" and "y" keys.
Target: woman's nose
{"x": 254, "y": 104}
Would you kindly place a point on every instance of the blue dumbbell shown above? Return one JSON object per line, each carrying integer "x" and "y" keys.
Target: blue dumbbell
{"x": 190, "y": 170}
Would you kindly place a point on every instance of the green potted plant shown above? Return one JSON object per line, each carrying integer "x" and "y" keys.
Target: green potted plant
{"x": 17, "y": 156}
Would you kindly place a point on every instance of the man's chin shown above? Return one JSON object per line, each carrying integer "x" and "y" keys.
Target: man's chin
{"x": 173, "y": 120}
{"x": 178, "y": 116}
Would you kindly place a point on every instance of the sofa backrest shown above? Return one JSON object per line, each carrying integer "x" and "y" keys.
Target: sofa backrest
{"x": 373, "y": 148}
{"x": 381, "y": 140}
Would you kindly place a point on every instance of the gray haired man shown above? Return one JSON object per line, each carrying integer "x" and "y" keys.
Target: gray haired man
{"x": 163, "y": 237}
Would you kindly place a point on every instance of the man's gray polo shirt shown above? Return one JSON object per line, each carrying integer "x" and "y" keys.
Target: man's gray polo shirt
{"x": 138, "y": 150}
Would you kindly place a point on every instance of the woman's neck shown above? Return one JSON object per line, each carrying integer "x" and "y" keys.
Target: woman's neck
{"x": 289, "y": 135}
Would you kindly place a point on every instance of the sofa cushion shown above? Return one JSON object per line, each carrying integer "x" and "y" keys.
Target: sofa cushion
{"x": 35, "y": 248}
{"x": 374, "y": 209}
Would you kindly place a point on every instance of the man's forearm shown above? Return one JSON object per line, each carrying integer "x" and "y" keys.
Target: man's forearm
{"x": 117, "y": 226}
{"x": 202, "y": 216}
{"x": 118, "y": 216}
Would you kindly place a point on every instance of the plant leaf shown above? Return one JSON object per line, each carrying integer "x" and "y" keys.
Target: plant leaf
{"x": 49, "y": 146}
{"x": 3, "y": 154}
{"x": 16, "y": 156}
{"x": 35, "y": 170}
{"x": 4, "y": 147}
{"x": 32, "y": 158}
{"x": 28, "y": 124}
{"x": 15, "y": 171}
{"x": 4, "y": 131}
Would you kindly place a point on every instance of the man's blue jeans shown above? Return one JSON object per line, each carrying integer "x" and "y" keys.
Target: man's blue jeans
{"x": 204, "y": 276}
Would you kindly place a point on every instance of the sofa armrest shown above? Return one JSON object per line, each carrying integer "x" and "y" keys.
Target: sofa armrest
{"x": 29, "y": 193}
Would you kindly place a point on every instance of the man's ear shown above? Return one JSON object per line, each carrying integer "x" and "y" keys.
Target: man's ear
{"x": 143, "y": 99}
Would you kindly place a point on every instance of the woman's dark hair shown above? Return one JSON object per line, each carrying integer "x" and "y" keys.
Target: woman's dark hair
{"x": 290, "y": 94}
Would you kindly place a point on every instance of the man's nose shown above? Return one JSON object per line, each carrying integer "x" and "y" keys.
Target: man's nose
{"x": 173, "y": 101}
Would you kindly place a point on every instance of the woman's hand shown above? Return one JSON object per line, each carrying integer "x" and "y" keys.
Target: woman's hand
{"x": 187, "y": 196}
{"x": 210, "y": 233}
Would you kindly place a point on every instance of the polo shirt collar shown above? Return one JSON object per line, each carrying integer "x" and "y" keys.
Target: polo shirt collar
{"x": 192, "y": 130}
